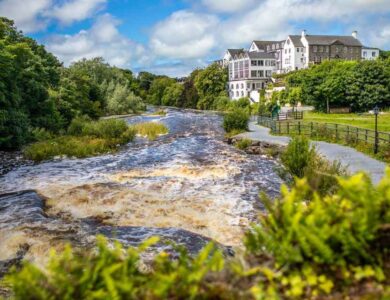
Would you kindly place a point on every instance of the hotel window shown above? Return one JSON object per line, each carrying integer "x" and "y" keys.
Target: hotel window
{"x": 273, "y": 47}
{"x": 232, "y": 86}
{"x": 267, "y": 63}
{"x": 260, "y": 74}
{"x": 277, "y": 46}
{"x": 242, "y": 85}
{"x": 248, "y": 85}
{"x": 237, "y": 86}
{"x": 253, "y": 62}
{"x": 253, "y": 74}
{"x": 321, "y": 48}
{"x": 261, "y": 63}
{"x": 364, "y": 53}
{"x": 269, "y": 73}
{"x": 373, "y": 54}
{"x": 258, "y": 85}
{"x": 314, "y": 48}
{"x": 242, "y": 93}
{"x": 237, "y": 94}
{"x": 327, "y": 49}
{"x": 273, "y": 63}
{"x": 285, "y": 51}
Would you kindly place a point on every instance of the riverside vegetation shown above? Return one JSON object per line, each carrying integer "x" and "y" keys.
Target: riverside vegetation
{"x": 85, "y": 137}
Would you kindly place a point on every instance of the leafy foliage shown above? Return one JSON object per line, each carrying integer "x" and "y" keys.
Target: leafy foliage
{"x": 236, "y": 119}
{"x": 360, "y": 85}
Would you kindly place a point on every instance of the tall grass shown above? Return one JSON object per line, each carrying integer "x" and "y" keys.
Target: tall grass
{"x": 84, "y": 138}
{"x": 151, "y": 130}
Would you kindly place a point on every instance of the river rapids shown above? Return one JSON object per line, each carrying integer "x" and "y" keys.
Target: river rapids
{"x": 187, "y": 187}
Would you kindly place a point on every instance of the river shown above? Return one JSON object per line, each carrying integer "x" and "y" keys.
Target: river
{"x": 187, "y": 186}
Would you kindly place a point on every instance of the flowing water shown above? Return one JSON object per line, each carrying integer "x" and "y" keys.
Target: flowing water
{"x": 187, "y": 186}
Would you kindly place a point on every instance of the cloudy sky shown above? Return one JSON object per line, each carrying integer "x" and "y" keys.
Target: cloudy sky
{"x": 175, "y": 36}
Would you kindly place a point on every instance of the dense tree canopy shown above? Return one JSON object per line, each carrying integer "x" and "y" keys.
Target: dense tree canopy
{"x": 36, "y": 91}
{"x": 359, "y": 85}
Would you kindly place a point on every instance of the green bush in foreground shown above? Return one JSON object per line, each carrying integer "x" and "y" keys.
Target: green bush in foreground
{"x": 307, "y": 246}
{"x": 236, "y": 120}
{"x": 151, "y": 130}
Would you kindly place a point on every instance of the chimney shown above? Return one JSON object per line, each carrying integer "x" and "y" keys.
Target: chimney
{"x": 355, "y": 34}
{"x": 303, "y": 32}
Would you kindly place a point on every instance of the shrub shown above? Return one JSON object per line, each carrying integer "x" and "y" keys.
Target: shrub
{"x": 235, "y": 120}
{"x": 115, "y": 274}
{"x": 151, "y": 129}
{"x": 41, "y": 134}
{"x": 77, "y": 125}
{"x": 298, "y": 156}
{"x": 243, "y": 144}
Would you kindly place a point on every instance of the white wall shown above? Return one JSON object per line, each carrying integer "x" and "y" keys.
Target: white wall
{"x": 370, "y": 54}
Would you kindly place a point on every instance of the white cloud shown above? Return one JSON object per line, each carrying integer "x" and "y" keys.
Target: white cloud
{"x": 27, "y": 14}
{"x": 76, "y": 10}
{"x": 102, "y": 39}
{"x": 184, "y": 35}
{"x": 227, "y": 6}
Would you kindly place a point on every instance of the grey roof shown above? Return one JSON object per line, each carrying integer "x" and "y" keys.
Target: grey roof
{"x": 260, "y": 55}
{"x": 234, "y": 52}
{"x": 262, "y": 44}
{"x": 296, "y": 40}
{"x": 370, "y": 48}
{"x": 331, "y": 39}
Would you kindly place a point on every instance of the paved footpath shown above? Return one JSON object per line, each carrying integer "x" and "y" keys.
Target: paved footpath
{"x": 353, "y": 160}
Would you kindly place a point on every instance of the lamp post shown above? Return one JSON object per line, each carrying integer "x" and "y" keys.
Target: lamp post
{"x": 376, "y": 113}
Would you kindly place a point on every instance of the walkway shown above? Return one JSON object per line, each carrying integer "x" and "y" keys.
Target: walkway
{"x": 353, "y": 160}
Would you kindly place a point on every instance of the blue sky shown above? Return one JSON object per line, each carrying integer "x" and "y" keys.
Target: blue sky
{"x": 174, "y": 37}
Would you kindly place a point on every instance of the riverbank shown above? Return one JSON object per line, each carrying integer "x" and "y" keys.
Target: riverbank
{"x": 350, "y": 158}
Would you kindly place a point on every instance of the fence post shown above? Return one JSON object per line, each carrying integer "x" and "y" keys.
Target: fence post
{"x": 299, "y": 127}
{"x": 311, "y": 128}
{"x": 357, "y": 134}
{"x": 279, "y": 128}
{"x": 366, "y": 136}
{"x": 337, "y": 132}
{"x": 288, "y": 127}
{"x": 347, "y": 133}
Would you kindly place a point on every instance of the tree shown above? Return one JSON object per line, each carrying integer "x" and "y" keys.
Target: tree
{"x": 157, "y": 89}
{"x": 210, "y": 83}
{"x": 173, "y": 95}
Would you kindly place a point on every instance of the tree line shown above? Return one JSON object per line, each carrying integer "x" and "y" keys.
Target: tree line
{"x": 359, "y": 85}
{"x": 38, "y": 92}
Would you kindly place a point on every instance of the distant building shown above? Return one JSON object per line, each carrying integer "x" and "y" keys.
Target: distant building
{"x": 369, "y": 53}
{"x": 248, "y": 73}
{"x": 250, "y": 70}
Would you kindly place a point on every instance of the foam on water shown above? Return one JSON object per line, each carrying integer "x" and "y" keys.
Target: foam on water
{"x": 186, "y": 181}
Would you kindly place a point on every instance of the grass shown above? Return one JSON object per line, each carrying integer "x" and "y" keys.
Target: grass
{"x": 233, "y": 133}
{"x": 358, "y": 120}
{"x": 159, "y": 112}
{"x": 243, "y": 144}
{"x": 84, "y": 138}
{"x": 151, "y": 130}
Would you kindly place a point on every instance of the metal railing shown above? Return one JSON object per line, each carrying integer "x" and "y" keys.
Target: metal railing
{"x": 329, "y": 131}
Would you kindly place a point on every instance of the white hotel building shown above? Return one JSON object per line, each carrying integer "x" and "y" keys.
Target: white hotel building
{"x": 251, "y": 70}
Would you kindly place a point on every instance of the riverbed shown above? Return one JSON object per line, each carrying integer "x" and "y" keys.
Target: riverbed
{"x": 187, "y": 186}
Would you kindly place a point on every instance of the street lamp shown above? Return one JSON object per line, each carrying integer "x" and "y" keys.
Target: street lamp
{"x": 376, "y": 113}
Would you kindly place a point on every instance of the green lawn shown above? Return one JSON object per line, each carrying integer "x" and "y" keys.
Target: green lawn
{"x": 358, "y": 120}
